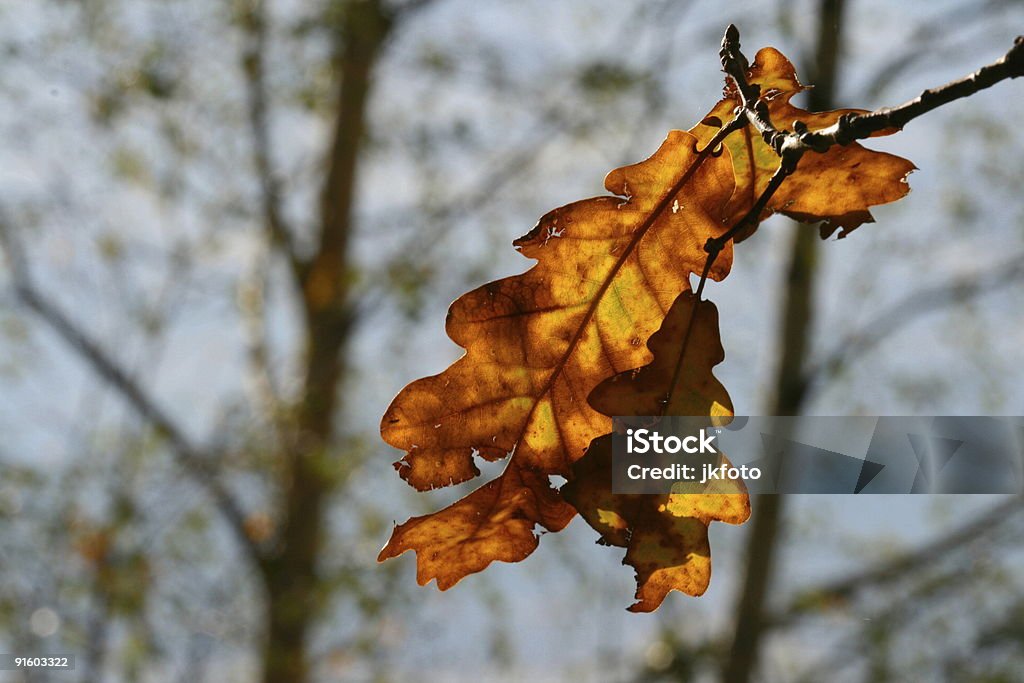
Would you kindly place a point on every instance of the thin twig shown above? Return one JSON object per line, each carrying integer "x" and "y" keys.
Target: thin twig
{"x": 852, "y": 127}
{"x": 790, "y": 146}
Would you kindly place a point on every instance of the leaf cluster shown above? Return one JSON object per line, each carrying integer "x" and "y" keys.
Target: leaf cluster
{"x": 606, "y": 323}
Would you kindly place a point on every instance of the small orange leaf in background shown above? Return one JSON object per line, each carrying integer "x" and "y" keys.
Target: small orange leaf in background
{"x": 538, "y": 345}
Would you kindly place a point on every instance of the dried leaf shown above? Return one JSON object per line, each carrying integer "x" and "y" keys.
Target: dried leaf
{"x": 838, "y": 186}
{"x": 665, "y": 536}
{"x": 539, "y": 344}
{"x": 495, "y": 522}
{"x": 607, "y": 270}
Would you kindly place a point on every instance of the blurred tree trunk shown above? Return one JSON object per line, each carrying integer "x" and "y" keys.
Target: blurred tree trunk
{"x": 796, "y": 317}
{"x": 294, "y": 593}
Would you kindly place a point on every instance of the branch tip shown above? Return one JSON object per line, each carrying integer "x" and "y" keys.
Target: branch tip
{"x": 732, "y": 35}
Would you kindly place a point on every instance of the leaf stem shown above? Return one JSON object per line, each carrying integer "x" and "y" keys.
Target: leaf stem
{"x": 790, "y": 146}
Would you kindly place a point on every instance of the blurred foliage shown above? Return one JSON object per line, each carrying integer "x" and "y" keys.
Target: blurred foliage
{"x": 129, "y": 178}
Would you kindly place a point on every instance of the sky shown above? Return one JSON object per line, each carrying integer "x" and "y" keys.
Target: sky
{"x": 567, "y": 601}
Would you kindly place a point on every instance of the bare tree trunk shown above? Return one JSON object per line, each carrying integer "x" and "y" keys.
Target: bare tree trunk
{"x": 293, "y": 591}
{"x": 794, "y": 336}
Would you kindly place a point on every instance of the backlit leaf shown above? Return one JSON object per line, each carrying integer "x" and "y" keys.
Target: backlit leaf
{"x": 576, "y": 326}
{"x": 536, "y": 344}
{"x": 665, "y": 536}
{"x": 838, "y": 186}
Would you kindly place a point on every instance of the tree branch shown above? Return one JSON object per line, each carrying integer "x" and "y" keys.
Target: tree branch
{"x": 192, "y": 459}
{"x": 930, "y": 40}
{"x": 291, "y": 577}
{"x": 894, "y": 569}
{"x": 254, "y": 22}
{"x": 852, "y": 127}
{"x": 790, "y": 146}
{"x": 796, "y": 314}
{"x": 252, "y": 310}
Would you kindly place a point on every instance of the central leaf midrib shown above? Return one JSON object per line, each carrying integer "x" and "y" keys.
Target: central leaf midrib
{"x": 638, "y": 235}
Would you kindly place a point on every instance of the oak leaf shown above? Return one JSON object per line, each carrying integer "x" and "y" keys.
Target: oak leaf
{"x": 837, "y": 187}
{"x": 665, "y": 536}
{"x": 607, "y": 270}
{"x": 539, "y": 343}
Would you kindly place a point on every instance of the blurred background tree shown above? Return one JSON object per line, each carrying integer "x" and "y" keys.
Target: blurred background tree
{"x": 230, "y": 232}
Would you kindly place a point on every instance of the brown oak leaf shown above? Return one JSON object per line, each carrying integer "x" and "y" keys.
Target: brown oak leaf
{"x": 837, "y": 187}
{"x": 539, "y": 343}
{"x": 665, "y": 536}
{"x": 607, "y": 271}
